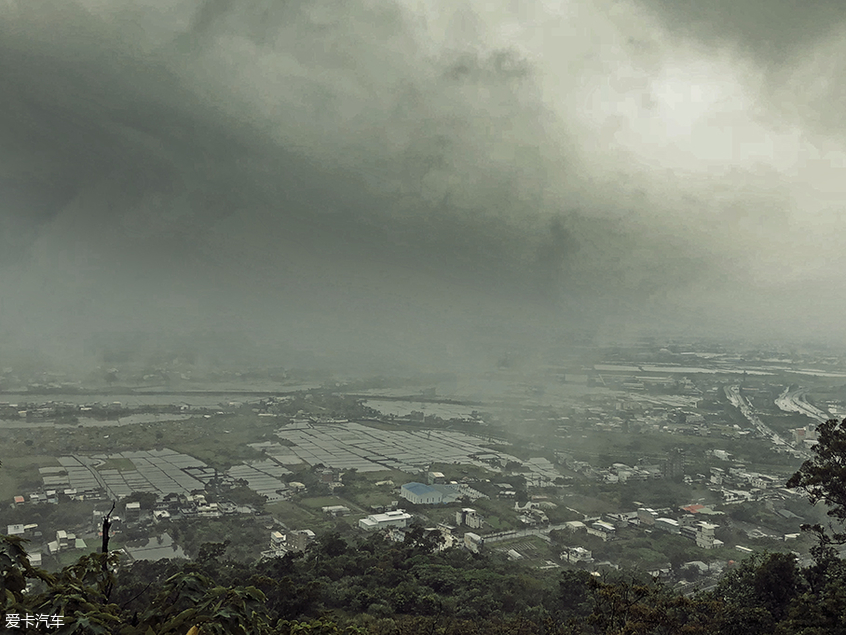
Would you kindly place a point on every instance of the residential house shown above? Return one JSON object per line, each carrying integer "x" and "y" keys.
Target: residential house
{"x": 705, "y": 536}
{"x": 469, "y": 517}
{"x": 576, "y": 554}
{"x": 277, "y": 542}
{"x": 603, "y": 530}
{"x": 668, "y": 524}
{"x": 762, "y": 481}
{"x": 435, "y": 478}
{"x": 133, "y": 512}
{"x": 575, "y": 525}
{"x": 300, "y": 540}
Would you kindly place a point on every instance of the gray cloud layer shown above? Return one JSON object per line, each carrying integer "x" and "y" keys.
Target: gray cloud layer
{"x": 418, "y": 180}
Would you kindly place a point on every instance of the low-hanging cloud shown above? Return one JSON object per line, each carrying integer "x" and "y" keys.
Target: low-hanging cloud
{"x": 412, "y": 178}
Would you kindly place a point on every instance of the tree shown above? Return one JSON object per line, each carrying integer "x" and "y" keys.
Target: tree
{"x": 16, "y": 571}
{"x": 330, "y": 544}
{"x": 574, "y": 594}
{"x": 420, "y": 540}
{"x": 636, "y": 608}
{"x": 147, "y": 499}
{"x": 823, "y": 476}
{"x": 212, "y": 551}
{"x": 758, "y": 593}
{"x": 79, "y": 593}
{"x": 822, "y": 607}
{"x": 190, "y": 598}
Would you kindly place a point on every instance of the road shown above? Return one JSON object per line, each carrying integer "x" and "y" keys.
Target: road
{"x": 742, "y": 404}
{"x": 794, "y": 401}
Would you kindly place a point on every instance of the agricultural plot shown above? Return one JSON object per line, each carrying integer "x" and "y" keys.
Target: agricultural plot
{"x": 368, "y": 449}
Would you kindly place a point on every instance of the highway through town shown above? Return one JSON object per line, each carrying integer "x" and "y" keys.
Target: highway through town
{"x": 794, "y": 401}
{"x": 742, "y": 404}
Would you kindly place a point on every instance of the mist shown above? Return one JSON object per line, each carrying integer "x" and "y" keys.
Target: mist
{"x": 423, "y": 185}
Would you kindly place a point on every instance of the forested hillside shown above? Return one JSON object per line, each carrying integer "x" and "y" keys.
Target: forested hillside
{"x": 375, "y": 586}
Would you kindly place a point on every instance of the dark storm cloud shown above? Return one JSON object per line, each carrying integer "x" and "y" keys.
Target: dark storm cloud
{"x": 384, "y": 176}
{"x": 773, "y": 31}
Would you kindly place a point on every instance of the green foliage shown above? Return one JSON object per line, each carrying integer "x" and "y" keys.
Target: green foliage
{"x": 193, "y": 533}
{"x": 823, "y": 476}
{"x": 329, "y": 544}
{"x": 242, "y": 495}
{"x": 212, "y": 551}
{"x": 574, "y": 589}
{"x": 758, "y": 592}
{"x": 316, "y": 627}
{"x": 374, "y": 586}
{"x": 190, "y": 598}
{"x": 818, "y": 613}
{"x": 147, "y": 500}
{"x": 80, "y": 592}
{"x": 636, "y": 608}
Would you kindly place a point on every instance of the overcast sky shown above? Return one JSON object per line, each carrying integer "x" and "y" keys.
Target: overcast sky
{"x": 423, "y": 181}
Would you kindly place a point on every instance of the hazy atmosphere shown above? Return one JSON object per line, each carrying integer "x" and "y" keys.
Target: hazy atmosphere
{"x": 400, "y": 317}
{"x": 417, "y": 183}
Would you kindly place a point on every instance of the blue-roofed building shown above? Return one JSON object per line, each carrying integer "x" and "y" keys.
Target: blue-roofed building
{"x": 421, "y": 494}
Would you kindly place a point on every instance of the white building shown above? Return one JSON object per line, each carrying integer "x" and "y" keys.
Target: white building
{"x": 705, "y": 536}
{"x": 646, "y": 515}
{"x": 300, "y": 540}
{"x": 736, "y": 495}
{"x": 575, "y": 525}
{"x": 762, "y": 481}
{"x": 469, "y": 517}
{"x": 277, "y": 544}
{"x": 336, "y": 510}
{"x": 603, "y": 530}
{"x": 668, "y": 524}
{"x": 208, "y": 510}
{"x": 436, "y": 478}
{"x": 133, "y": 511}
{"x": 473, "y": 542}
{"x": 398, "y": 518}
{"x": 576, "y": 554}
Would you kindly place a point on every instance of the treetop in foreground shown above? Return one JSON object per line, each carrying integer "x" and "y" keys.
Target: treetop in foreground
{"x": 823, "y": 477}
